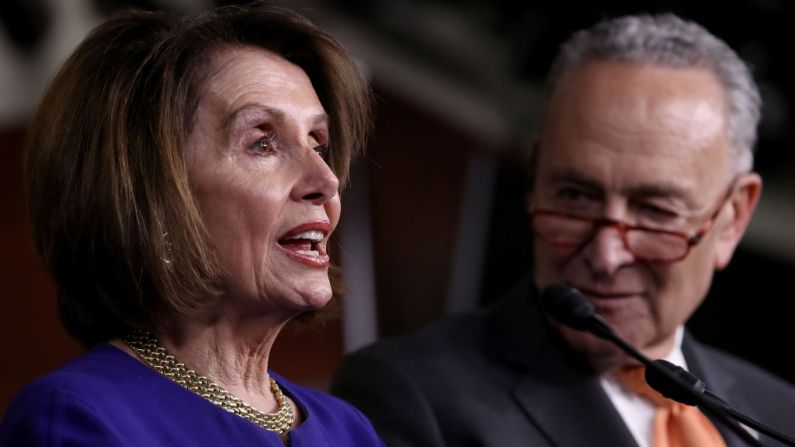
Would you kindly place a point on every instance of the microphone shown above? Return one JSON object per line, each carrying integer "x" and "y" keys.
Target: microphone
{"x": 566, "y": 305}
{"x": 658, "y": 381}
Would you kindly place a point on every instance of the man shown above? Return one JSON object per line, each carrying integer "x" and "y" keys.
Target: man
{"x": 642, "y": 188}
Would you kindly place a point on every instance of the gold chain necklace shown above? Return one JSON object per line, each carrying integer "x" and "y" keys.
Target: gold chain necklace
{"x": 155, "y": 355}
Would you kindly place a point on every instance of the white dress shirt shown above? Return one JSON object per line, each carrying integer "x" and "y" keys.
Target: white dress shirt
{"x": 637, "y": 412}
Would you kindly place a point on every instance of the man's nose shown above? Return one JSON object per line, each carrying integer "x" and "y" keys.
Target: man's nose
{"x": 605, "y": 253}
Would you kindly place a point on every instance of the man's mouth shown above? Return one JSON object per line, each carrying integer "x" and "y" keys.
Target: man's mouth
{"x": 606, "y": 294}
{"x": 304, "y": 244}
{"x": 606, "y": 301}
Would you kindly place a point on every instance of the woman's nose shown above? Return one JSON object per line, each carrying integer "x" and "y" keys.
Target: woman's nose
{"x": 606, "y": 253}
{"x": 317, "y": 183}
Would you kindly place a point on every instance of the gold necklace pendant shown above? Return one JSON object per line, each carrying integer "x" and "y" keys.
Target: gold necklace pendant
{"x": 155, "y": 355}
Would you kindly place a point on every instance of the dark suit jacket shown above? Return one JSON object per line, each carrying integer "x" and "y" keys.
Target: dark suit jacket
{"x": 502, "y": 377}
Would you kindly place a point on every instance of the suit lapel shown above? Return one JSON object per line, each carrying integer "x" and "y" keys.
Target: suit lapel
{"x": 719, "y": 382}
{"x": 560, "y": 396}
{"x": 571, "y": 408}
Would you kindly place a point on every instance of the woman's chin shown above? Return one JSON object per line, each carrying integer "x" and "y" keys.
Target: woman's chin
{"x": 315, "y": 298}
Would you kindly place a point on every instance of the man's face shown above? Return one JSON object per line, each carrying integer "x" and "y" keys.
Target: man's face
{"x": 646, "y": 146}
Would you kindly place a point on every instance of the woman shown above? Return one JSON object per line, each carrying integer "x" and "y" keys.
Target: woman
{"x": 183, "y": 178}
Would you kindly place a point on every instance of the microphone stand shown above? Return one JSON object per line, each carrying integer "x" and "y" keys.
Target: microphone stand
{"x": 661, "y": 384}
{"x": 709, "y": 406}
{"x": 566, "y": 305}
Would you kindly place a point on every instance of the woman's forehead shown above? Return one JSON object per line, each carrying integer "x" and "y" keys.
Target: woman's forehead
{"x": 254, "y": 79}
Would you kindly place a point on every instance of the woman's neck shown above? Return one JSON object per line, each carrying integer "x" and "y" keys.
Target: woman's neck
{"x": 233, "y": 353}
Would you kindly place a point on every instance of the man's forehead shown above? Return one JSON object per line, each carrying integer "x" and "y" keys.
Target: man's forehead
{"x": 600, "y": 73}
{"x": 632, "y": 128}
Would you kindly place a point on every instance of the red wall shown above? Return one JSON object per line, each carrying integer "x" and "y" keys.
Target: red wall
{"x": 32, "y": 341}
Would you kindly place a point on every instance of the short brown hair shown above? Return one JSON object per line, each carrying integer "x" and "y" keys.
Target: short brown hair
{"x": 113, "y": 216}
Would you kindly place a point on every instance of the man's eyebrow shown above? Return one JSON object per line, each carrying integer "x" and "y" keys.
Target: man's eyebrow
{"x": 571, "y": 176}
{"x": 663, "y": 190}
{"x": 659, "y": 190}
{"x": 642, "y": 190}
{"x": 277, "y": 114}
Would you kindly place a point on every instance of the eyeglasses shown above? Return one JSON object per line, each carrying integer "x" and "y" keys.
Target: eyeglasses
{"x": 570, "y": 230}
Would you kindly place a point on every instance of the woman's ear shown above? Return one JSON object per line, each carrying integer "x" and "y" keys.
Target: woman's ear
{"x": 742, "y": 202}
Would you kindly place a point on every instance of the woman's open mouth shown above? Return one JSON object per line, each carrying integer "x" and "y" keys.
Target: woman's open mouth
{"x": 303, "y": 244}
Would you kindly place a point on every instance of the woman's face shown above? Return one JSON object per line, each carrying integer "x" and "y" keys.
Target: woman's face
{"x": 256, "y": 165}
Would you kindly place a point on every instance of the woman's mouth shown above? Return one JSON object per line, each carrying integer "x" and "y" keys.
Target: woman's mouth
{"x": 303, "y": 244}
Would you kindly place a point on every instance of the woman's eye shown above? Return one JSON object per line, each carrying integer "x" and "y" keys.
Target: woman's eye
{"x": 322, "y": 150}
{"x": 265, "y": 145}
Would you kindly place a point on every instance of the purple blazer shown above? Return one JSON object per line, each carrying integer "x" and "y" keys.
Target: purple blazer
{"x": 107, "y": 398}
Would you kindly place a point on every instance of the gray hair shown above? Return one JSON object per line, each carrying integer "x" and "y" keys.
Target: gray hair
{"x": 670, "y": 41}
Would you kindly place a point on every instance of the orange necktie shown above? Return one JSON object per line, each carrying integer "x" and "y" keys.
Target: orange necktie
{"x": 675, "y": 424}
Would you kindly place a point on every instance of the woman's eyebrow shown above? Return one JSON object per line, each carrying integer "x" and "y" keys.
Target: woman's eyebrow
{"x": 320, "y": 118}
{"x": 230, "y": 117}
{"x": 276, "y": 114}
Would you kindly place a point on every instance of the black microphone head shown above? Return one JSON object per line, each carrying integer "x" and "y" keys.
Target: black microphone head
{"x": 566, "y": 305}
{"x": 674, "y": 382}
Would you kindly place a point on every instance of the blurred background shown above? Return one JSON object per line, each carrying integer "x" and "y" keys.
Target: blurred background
{"x": 432, "y": 223}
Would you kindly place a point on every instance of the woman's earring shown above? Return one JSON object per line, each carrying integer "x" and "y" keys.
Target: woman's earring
{"x": 169, "y": 247}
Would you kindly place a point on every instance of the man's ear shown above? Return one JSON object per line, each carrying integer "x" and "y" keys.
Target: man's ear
{"x": 528, "y": 201}
{"x": 531, "y": 176}
{"x": 732, "y": 227}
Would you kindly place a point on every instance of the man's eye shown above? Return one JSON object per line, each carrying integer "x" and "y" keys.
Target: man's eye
{"x": 572, "y": 194}
{"x": 656, "y": 212}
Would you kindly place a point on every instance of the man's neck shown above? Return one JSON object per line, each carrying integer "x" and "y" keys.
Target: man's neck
{"x": 668, "y": 348}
